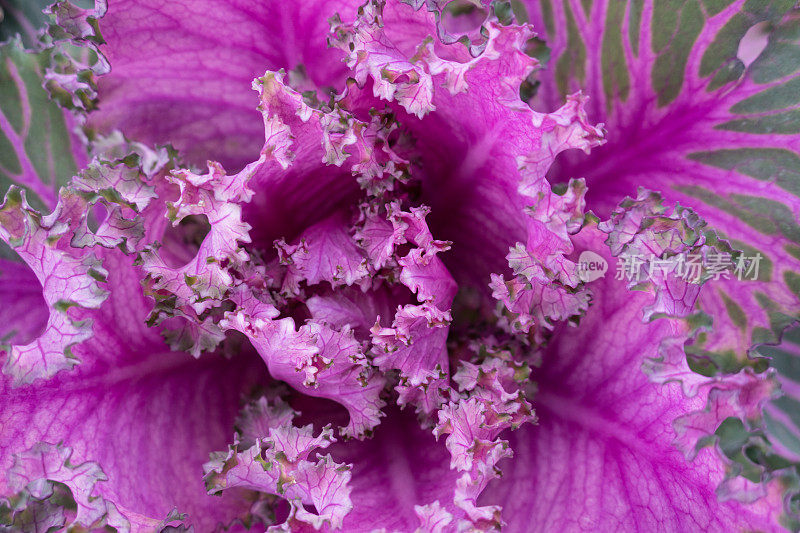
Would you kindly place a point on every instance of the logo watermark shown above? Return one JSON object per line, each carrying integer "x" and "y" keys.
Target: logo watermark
{"x": 591, "y": 266}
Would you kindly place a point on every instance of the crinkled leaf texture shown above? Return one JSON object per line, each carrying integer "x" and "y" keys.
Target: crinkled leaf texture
{"x": 168, "y": 85}
{"x": 700, "y": 103}
{"x": 398, "y": 244}
{"x": 146, "y": 416}
{"x": 699, "y": 100}
{"x": 603, "y": 446}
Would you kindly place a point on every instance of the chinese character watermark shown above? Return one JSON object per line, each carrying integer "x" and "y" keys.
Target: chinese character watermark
{"x": 690, "y": 267}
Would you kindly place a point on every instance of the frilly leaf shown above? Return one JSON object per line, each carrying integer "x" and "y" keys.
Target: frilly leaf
{"x": 37, "y": 477}
{"x": 281, "y": 463}
{"x": 62, "y": 270}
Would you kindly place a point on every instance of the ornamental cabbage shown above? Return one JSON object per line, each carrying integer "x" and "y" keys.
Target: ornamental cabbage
{"x": 384, "y": 265}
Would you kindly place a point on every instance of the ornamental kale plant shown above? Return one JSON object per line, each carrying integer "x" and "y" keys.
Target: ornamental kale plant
{"x": 383, "y": 265}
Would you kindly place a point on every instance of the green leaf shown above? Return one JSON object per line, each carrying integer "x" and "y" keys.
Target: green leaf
{"x": 38, "y": 147}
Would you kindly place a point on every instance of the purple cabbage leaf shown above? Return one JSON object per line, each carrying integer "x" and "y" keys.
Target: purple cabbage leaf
{"x": 319, "y": 266}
